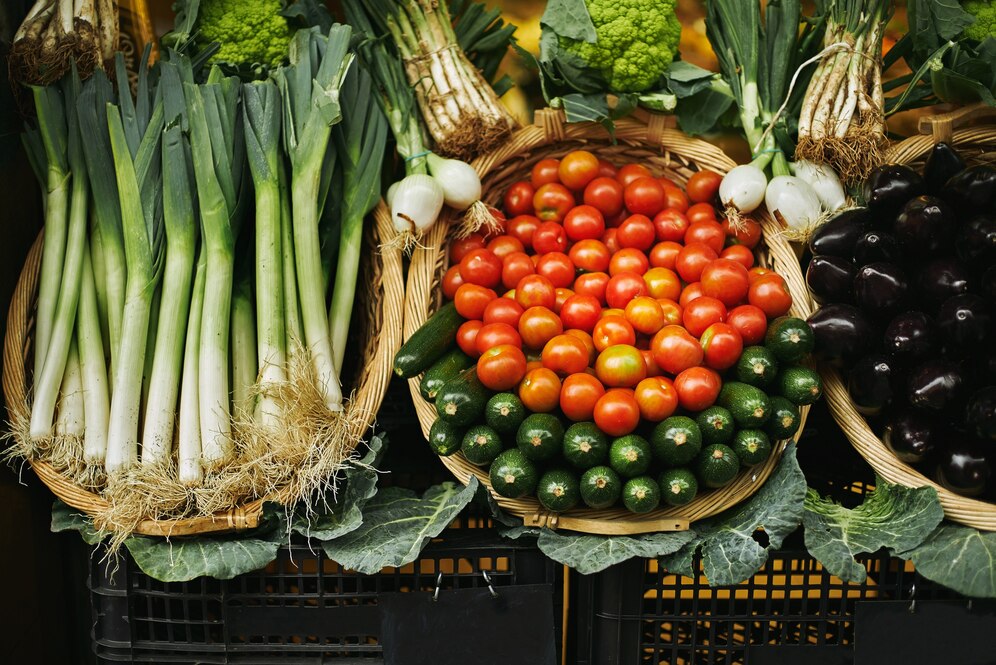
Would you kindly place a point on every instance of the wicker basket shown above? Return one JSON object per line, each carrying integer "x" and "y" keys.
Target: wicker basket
{"x": 379, "y": 326}
{"x": 977, "y": 144}
{"x": 671, "y": 152}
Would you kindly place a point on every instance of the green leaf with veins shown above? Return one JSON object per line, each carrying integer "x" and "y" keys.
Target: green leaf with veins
{"x": 959, "y": 557}
{"x": 65, "y": 518}
{"x": 569, "y": 18}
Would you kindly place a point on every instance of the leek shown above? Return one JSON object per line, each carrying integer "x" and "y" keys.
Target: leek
{"x": 96, "y": 404}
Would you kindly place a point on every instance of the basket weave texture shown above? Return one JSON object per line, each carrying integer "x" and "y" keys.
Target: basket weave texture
{"x": 668, "y": 152}
{"x": 378, "y": 321}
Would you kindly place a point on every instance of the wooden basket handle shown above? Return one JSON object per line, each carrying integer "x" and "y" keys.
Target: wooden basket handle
{"x": 551, "y": 121}
{"x": 602, "y": 527}
{"x": 942, "y": 126}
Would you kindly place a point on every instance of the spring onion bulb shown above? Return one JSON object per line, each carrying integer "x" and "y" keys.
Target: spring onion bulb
{"x": 70, "y": 421}
{"x": 460, "y": 182}
{"x": 824, "y": 181}
{"x": 792, "y": 202}
{"x": 742, "y": 189}
{"x": 416, "y": 205}
{"x": 391, "y": 191}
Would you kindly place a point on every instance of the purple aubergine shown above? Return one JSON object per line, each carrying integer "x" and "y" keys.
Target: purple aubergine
{"x": 880, "y": 289}
{"x": 889, "y": 187}
{"x": 838, "y": 236}
{"x": 941, "y": 279}
{"x": 975, "y": 243}
{"x": 909, "y": 336}
{"x": 830, "y": 279}
{"x": 973, "y": 190}
{"x": 869, "y": 382}
{"x": 925, "y": 226}
{"x": 964, "y": 468}
{"x": 910, "y": 436}
{"x": 936, "y": 385}
{"x": 943, "y": 162}
{"x": 877, "y": 246}
{"x": 987, "y": 285}
{"x": 841, "y": 331}
{"x": 965, "y": 320}
{"x": 980, "y": 413}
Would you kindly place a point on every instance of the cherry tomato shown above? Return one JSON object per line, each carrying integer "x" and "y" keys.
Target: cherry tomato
{"x": 503, "y": 310}
{"x": 637, "y": 231}
{"x": 584, "y": 222}
{"x": 558, "y": 268}
{"x": 577, "y": 169}
{"x": 611, "y": 239}
{"x": 589, "y": 343}
{"x": 644, "y": 196}
{"x": 467, "y": 337}
{"x": 645, "y": 315}
{"x": 540, "y": 390}
{"x": 605, "y": 194}
{"x": 750, "y": 322}
{"x": 673, "y": 311}
{"x": 631, "y": 172}
{"x": 565, "y": 354}
{"x": 611, "y": 330}
{"x": 460, "y": 247}
{"x": 746, "y": 232}
{"x": 656, "y": 397}
{"x": 675, "y": 350}
{"x": 623, "y": 287}
{"x": 616, "y": 412}
{"x": 675, "y": 199}
{"x": 666, "y": 182}
{"x": 502, "y": 246}
{"x": 606, "y": 169}
{"x": 497, "y": 334}
{"x": 722, "y": 346}
{"x": 629, "y": 260}
{"x": 561, "y": 295}
{"x": 620, "y": 366}
{"x": 703, "y": 186}
{"x": 692, "y": 260}
{"x": 648, "y": 360}
{"x": 697, "y": 388}
{"x": 664, "y": 254}
{"x": 498, "y": 225}
{"x": 662, "y": 283}
{"x": 769, "y": 293}
{"x": 545, "y": 171}
{"x": 580, "y": 312}
{"x": 578, "y": 395}
{"x": 739, "y": 253}
{"x": 725, "y": 280}
{"x": 710, "y": 234}
{"x": 514, "y": 267}
{"x": 501, "y": 367}
{"x": 550, "y": 237}
{"x": 670, "y": 225}
{"x": 612, "y": 311}
{"x": 590, "y": 256}
{"x": 519, "y": 198}
{"x": 452, "y": 281}
{"x": 690, "y": 293}
{"x": 701, "y": 212}
{"x": 592, "y": 284}
{"x": 701, "y": 313}
{"x": 481, "y": 267}
{"x": 471, "y": 299}
{"x": 757, "y": 272}
{"x": 537, "y": 326}
{"x": 535, "y": 291}
{"x": 552, "y": 202}
{"x": 522, "y": 228}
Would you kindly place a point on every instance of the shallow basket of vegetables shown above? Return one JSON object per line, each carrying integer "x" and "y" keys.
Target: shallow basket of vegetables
{"x": 666, "y": 152}
{"x": 923, "y": 430}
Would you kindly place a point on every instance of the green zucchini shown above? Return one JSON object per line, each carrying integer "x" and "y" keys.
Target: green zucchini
{"x": 428, "y": 343}
{"x": 444, "y": 369}
{"x": 462, "y": 399}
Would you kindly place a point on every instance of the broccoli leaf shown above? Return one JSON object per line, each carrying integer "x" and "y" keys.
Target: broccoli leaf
{"x": 569, "y": 18}
{"x": 959, "y": 557}
{"x": 701, "y": 112}
{"x": 932, "y": 22}
{"x": 65, "y": 518}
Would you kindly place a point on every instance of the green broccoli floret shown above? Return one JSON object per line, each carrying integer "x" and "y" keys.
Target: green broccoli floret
{"x": 636, "y": 40}
{"x": 249, "y": 33}
{"x": 984, "y": 12}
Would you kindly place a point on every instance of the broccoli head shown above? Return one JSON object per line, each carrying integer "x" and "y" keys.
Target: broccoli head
{"x": 984, "y": 26}
{"x": 249, "y": 33}
{"x": 636, "y": 40}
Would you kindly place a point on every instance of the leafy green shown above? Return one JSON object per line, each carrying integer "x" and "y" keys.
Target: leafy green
{"x": 959, "y": 557}
{"x": 892, "y": 516}
{"x": 65, "y": 518}
{"x": 569, "y": 18}
{"x": 932, "y": 22}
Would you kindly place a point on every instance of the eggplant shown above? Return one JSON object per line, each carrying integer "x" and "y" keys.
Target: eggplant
{"x": 838, "y": 236}
{"x": 964, "y": 468}
{"x": 925, "y": 226}
{"x": 965, "y": 320}
{"x": 910, "y": 436}
{"x": 935, "y": 385}
{"x": 987, "y": 285}
{"x": 941, "y": 279}
{"x": 880, "y": 289}
{"x": 973, "y": 190}
{"x": 830, "y": 279}
{"x": 909, "y": 336}
{"x": 869, "y": 382}
{"x": 889, "y": 187}
{"x": 975, "y": 243}
{"x": 841, "y": 331}
{"x": 876, "y": 246}
{"x": 943, "y": 162}
{"x": 980, "y": 413}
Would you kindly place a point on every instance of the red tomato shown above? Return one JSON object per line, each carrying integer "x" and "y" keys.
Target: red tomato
{"x": 514, "y": 267}
{"x": 631, "y": 172}
{"x": 612, "y": 311}
{"x": 467, "y": 337}
{"x": 592, "y": 284}
{"x": 537, "y": 326}
{"x": 611, "y": 239}
{"x": 606, "y": 169}
{"x": 692, "y": 259}
{"x": 617, "y": 412}
{"x": 656, "y": 397}
{"x": 590, "y": 255}
{"x": 545, "y": 171}
{"x": 584, "y": 222}
{"x": 522, "y": 227}
{"x": 565, "y": 354}
{"x": 697, "y": 388}
{"x": 471, "y": 299}
{"x": 690, "y": 293}
{"x": 589, "y": 343}
{"x": 611, "y": 330}
{"x": 577, "y": 169}
{"x": 558, "y": 268}
{"x": 628, "y": 260}
{"x": 481, "y": 267}
{"x": 665, "y": 254}
{"x": 623, "y": 287}
{"x": 725, "y": 280}
{"x": 672, "y": 311}
{"x": 757, "y": 272}
{"x": 675, "y": 350}
{"x": 502, "y": 246}
{"x": 540, "y": 390}
{"x": 501, "y": 367}
{"x": 561, "y": 295}
{"x": 503, "y": 310}
{"x": 701, "y": 313}
{"x": 636, "y": 231}
{"x": 452, "y": 281}
{"x": 701, "y": 212}
{"x": 750, "y": 322}
{"x": 460, "y": 247}
{"x": 666, "y": 182}
{"x": 519, "y": 198}
{"x": 578, "y": 395}
{"x": 739, "y": 253}
{"x": 620, "y": 366}
{"x": 662, "y": 283}
{"x": 769, "y": 293}
{"x": 535, "y": 291}
{"x": 722, "y": 346}
{"x": 746, "y": 232}
{"x": 552, "y": 202}
{"x": 645, "y": 315}
{"x": 710, "y": 234}
{"x": 549, "y": 237}
{"x": 703, "y": 186}
{"x": 497, "y": 334}
{"x": 670, "y": 225}
{"x": 675, "y": 199}
{"x": 605, "y": 194}
{"x": 498, "y": 225}
{"x": 581, "y": 312}
{"x": 644, "y": 196}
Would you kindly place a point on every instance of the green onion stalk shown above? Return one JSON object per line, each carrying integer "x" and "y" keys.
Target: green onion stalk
{"x": 89, "y": 340}
{"x": 70, "y": 425}
{"x": 243, "y": 342}
{"x": 189, "y": 468}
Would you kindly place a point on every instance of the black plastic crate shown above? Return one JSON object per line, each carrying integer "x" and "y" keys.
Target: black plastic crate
{"x": 303, "y": 607}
